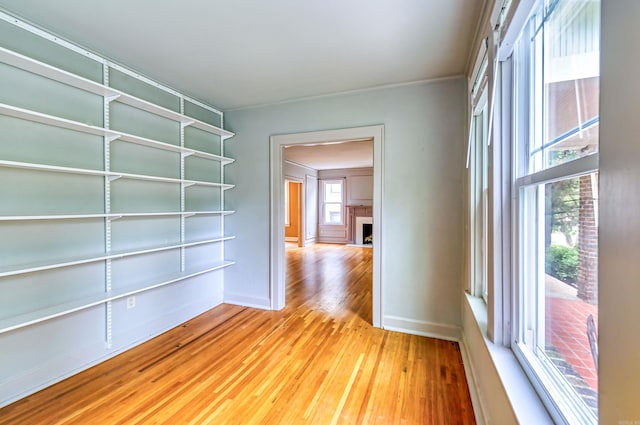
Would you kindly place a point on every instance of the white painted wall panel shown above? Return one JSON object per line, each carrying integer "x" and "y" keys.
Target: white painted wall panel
{"x": 360, "y": 190}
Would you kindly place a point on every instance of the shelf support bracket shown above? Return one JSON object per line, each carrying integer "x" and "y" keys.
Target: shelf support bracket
{"x": 110, "y": 137}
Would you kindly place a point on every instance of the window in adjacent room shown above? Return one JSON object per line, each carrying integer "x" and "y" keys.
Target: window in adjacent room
{"x": 332, "y": 192}
{"x": 556, "y": 84}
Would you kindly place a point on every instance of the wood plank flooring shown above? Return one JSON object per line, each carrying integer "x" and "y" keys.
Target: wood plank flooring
{"x": 319, "y": 361}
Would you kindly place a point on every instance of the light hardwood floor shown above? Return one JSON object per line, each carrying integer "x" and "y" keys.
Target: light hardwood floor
{"x": 319, "y": 361}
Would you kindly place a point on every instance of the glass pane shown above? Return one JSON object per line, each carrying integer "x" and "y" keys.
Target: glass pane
{"x": 566, "y": 84}
{"x": 333, "y": 192}
{"x": 571, "y": 282}
{"x": 333, "y": 213}
{"x": 562, "y": 283}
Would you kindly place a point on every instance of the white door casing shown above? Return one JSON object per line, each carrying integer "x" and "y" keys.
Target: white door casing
{"x": 277, "y": 245}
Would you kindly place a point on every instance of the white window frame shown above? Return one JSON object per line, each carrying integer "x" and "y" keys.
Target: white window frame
{"x": 479, "y": 187}
{"x": 323, "y": 203}
{"x": 562, "y": 403}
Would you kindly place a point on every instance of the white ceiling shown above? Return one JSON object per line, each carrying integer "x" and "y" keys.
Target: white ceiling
{"x": 331, "y": 156}
{"x": 238, "y": 53}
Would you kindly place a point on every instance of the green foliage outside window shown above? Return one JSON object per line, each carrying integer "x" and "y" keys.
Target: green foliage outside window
{"x": 561, "y": 262}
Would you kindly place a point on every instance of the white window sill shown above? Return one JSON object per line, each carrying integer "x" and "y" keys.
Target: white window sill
{"x": 524, "y": 401}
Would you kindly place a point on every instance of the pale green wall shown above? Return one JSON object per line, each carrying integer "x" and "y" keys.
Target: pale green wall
{"x": 425, "y": 130}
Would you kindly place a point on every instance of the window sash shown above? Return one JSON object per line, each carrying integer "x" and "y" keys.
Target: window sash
{"x": 563, "y": 402}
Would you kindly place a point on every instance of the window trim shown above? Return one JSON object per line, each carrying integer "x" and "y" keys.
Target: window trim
{"x": 500, "y": 292}
{"x": 562, "y": 406}
{"x": 479, "y": 199}
{"x": 287, "y": 207}
{"x": 499, "y": 227}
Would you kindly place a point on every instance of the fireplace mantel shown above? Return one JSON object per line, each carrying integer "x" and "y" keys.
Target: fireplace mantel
{"x": 354, "y": 211}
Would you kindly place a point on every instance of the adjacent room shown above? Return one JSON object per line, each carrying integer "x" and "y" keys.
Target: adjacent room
{"x": 284, "y": 212}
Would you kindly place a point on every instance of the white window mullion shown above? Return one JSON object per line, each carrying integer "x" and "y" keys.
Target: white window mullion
{"x": 585, "y": 165}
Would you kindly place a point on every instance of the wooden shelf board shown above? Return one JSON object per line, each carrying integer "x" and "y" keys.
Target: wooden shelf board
{"x": 52, "y": 168}
{"x": 225, "y": 134}
{"x": 143, "y": 105}
{"x": 40, "y": 68}
{"x": 16, "y": 112}
{"x": 149, "y": 142}
{"x": 112, "y": 215}
{"x": 114, "y": 174}
{"x": 28, "y": 115}
{"x": 51, "y": 217}
{"x": 48, "y": 313}
{"x": 114, "y": 255}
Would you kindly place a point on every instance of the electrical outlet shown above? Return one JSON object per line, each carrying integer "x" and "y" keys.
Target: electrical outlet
{"x": 131, "y": 302}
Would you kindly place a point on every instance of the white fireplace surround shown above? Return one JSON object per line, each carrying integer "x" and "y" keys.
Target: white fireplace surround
{"x": 359, "y": 222}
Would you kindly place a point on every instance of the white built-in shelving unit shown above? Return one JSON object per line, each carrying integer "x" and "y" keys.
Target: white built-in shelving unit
{"x": 122, "y": 176}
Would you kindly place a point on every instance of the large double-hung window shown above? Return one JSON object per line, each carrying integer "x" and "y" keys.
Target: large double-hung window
{"x": 555, "y": 74}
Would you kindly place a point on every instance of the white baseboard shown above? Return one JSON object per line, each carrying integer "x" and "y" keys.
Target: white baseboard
{"x": 31, "y": 381}
{"x": 243, "y": 300}
{"x": 479, "y": 409}
{"x": 422, "y": 328}
{"x": 290, "y": 239}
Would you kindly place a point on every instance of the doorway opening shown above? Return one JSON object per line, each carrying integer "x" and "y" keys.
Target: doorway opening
{"x": 293, "y": 211}
{"x": 278, "y": 213}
